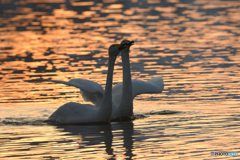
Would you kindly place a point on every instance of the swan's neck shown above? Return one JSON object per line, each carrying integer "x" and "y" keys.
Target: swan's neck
{"x": 126, "y": 101}
{"x": 105, "y": 109}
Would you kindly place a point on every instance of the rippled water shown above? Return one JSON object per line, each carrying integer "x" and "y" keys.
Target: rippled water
{"x": 194, "y": 45}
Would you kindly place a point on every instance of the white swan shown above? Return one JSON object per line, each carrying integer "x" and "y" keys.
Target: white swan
{"x": 85, "y": 113}
{"x": 122, "y": 106}
{"x": 123, "y": 100}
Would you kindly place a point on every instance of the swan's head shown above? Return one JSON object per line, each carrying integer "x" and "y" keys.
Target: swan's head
{"x": 115, "y": 49}
{"x": 127, "y": 43}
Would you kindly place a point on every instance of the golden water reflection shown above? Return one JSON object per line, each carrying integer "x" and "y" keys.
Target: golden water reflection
{"x": 193, "y": 135}
{"x": 194, "y": 45}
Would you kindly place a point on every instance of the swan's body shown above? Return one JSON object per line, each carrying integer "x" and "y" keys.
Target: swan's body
{"x": 122, "y": 93}
{"x": 84, "y": 113}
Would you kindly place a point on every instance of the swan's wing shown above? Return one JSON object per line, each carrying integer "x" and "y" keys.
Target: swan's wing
{"x": 116, "y": 95}
{"x": 154, "y": 85}
{"x": 91, "y": 91}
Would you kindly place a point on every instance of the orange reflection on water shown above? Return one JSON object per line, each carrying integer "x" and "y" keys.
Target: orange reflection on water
{"x": 193, "y": 45}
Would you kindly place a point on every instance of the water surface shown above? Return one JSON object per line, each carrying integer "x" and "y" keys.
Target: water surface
{"x": 194, "y": 45}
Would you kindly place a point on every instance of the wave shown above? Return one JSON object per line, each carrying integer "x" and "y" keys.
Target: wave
{"x": 38, "y": 122}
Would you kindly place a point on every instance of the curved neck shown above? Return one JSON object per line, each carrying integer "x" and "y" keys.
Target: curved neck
{"x": 127, "y": 81}
{"x": 106, "y": 106}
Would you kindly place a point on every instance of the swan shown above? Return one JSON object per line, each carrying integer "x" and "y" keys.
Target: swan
{"x": 122, "y": 93}
{"x": 123, "y": 100}
{"x": 71, "y": 113}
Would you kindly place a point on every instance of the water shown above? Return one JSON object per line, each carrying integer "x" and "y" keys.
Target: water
{"x": 194, "y": 45}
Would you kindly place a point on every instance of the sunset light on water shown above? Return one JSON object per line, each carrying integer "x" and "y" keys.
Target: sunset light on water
{"x": 193, "y": 45}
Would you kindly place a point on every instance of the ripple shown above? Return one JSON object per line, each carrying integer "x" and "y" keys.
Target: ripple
{"x": 21, "y": 121}
{"x": 194, "y": 45}
{"x": 38, "y": 122}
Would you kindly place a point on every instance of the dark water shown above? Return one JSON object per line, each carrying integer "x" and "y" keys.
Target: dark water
{"x": 193, "y": 44}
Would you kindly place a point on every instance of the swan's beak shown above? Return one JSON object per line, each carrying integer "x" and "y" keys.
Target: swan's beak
{"x": 129, "y": 43}
{"x": 126, "y": 43}
{"x": 119, "y": 46}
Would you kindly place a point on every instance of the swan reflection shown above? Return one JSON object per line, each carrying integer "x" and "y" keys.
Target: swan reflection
{"x": 127, "y": 134}
{"x": 98, "y": 134}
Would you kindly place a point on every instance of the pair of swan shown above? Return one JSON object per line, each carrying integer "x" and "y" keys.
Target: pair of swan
{"x": 112, "y": 104}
